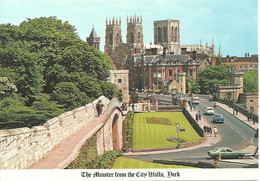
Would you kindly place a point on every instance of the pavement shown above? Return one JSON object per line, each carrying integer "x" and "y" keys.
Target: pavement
{"x": 69, "y": 149}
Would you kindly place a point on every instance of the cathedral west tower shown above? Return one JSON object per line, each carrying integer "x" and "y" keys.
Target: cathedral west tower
{"x": 113, "y": 35}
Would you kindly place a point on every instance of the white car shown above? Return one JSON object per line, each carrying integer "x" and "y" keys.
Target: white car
{"x": 209, "y": 110}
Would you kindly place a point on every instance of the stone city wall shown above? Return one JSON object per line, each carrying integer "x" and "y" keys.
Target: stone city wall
{"x": 22, "y": 147}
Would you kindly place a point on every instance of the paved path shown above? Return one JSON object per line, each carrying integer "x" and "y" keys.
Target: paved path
{"x": 239, "y": 116}
{"x": 68, "y": 150}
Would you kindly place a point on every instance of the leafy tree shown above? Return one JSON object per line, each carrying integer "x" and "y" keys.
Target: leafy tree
{"x": 210, "y": 77}
{"x": 250, "y": 81}
{"x": 68, "y": 95}
{"x": 192, "y": 85}
{"x": 13, "y": 113}
{"x": 46, "y": 56}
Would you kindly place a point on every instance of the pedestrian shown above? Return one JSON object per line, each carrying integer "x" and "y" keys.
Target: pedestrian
{"x": 194, "y": 107}
{"x": 236, "y": 108}
{"x": 252, "y": 117}
{"x": 215, "y": 131}
{"x": 248, "y": 117}
{"x": 205, "y": 128}
{"x": 199, "y": 115}
{"x": 210, "y": 131}
{"x": 99, "y": 108}
{"x": 133, "y": 107}
{"x": 190, "y": 107}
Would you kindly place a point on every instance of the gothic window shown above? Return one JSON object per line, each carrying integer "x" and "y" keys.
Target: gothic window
{"x": 172, "y": 30}
{"x": 159, "y": 35}
{"x": 117, "y": 38}
{"x": 139, "y": 37}
{"x": 132, "y": 38}
{"x": 111, "y": 39}
{"x": 165, "y": 34}
{"x": 175, "y": 34}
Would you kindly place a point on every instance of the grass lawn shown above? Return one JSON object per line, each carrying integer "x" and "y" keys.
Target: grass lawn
{"x": 154, "y": 135}
{"x": 127, "y": 163}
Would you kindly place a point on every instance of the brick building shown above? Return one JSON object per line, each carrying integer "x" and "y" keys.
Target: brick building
{"x": 156, "y": 71}
{"x": 241, "y": 64}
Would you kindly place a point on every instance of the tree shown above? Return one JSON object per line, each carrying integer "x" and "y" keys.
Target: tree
{"x": 250, "y": 81}
{"x": 192, "y": 85}
{"x": 68, "y": 95}
{"x": 210, "y": 77}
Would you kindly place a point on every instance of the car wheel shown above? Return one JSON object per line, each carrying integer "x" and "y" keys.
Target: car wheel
{"x": 239, "y": 156}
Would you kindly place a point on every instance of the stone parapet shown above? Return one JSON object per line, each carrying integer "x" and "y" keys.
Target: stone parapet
{"x": 22, "y": 147}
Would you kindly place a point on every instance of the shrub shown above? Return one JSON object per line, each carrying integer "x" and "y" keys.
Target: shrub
{"x": 87, "y": 156}
{"x": 106, "y": 161}
{"x": 128, "y": 129}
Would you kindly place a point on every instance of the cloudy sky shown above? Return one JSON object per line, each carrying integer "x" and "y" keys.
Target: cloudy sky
{"x": 232, "y": 23}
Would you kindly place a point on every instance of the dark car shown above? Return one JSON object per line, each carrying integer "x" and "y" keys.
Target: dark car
{"x": 218, "y": 118}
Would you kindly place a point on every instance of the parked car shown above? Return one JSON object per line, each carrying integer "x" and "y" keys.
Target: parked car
{"x": 195, "y": 100}
{"x": 209, "y": 111}
{"x": 218, "y": 118}
{"x": 225, "y": 153}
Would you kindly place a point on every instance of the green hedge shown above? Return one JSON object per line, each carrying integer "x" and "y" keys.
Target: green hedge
{"x": 128, "y": 130}
{"x": 107, "y": 160}
{"x": 87, "y": 156}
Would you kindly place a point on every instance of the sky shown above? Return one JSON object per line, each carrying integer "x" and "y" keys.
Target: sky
{"x": 232, "y": 23}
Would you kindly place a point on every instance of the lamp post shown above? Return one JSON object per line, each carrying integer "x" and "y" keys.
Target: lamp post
{"x": 177, "y": 131}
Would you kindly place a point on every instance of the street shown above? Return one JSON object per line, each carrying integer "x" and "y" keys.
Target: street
{"x": 234, "y": 134}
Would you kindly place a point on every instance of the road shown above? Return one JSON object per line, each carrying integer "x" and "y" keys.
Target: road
{"x": 234, "y": 134}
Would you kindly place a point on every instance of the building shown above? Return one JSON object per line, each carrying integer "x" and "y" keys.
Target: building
{"x": 252, "y": 102}
{"x": 234, "y": 87}
{"x": 113, "y": 36}
{"x": 134, "y": 36}
{"x": 155, "y": 72}
{"x": 167, "y": 34}
{"x": 203, "y": 64}
{"x": 93, "y": 39}
{"x": 241, "y": 64}
{"x": 120, "y": 79}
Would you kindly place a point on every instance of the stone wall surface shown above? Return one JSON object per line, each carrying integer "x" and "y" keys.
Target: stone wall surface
{"x": 22, "y": 147}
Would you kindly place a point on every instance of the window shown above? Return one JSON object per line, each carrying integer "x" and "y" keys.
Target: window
{"x": 154, "y": 74}
{"x": 120, "y": 81}
{"x": 251, "y": 100}
{"x": 159, "y": 74}
{"x": 170, "y": 73}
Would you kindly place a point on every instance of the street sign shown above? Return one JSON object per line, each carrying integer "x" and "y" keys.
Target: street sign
{"x": 182, "y": 130}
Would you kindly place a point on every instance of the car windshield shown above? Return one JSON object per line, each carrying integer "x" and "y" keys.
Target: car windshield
{"x": 218, "y": 115}
{"x": 210, "y": 108}
{"x": 216, "y": 149}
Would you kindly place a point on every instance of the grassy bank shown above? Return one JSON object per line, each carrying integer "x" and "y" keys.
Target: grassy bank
{"x": 127, "y": 163}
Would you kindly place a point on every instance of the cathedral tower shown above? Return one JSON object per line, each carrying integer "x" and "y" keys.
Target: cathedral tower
{"x": 93, "y": 39}
{"x": 113, "y": 35}
{"x": 167, "y": 34}
{"x": 134, "y": 36}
